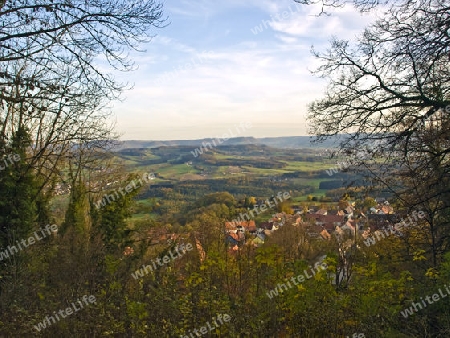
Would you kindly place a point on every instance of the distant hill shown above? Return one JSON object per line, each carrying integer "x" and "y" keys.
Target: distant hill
{"x": 293, "y": 142}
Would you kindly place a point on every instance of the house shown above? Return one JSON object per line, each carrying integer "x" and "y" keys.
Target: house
{"x": 329, "y": 227}
{"x": 267, "y": 232}
{"x": 334, "y": 220}
{"x": 387, "y": 209}
{"x": 249, "y": 226}
{"x": 235, "y": 227}
{"x": 325, "y": 234}
{"x": 257, "y": 241}
{"x": 279, "y": 217}
{"x": 235, "y": 239}
{"x": 266, "y": 225}
{"x": 349, "y": 228}
{"x": 314, "y": 218}
{"x": 297, "y": 209}
{"x": 321, "y": 212}
{"x": 230, "y": 227}
{"x": 240, "y": 229}
{"x": 313, "y": 209}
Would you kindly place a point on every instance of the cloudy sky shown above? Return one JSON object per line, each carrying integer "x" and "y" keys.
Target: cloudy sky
{"x": 223, "y": 62}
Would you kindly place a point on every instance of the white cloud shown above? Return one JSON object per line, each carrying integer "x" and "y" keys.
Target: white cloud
{"x": 230, "y": 84}
{"x": 264, "y": 79}
{"x": 345, "y": 22}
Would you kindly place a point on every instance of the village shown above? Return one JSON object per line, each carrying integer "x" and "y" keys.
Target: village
{"x": 319, "y": 224}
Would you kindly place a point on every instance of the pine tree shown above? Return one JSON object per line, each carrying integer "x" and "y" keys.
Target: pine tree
{"x": 18, "y": 190}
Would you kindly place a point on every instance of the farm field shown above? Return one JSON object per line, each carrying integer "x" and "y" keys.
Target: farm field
{"x": 241, "y": 170}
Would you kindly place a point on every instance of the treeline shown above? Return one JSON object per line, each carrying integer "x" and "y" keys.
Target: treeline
{"x": 237, "y": 186}
{"x": 258, "y": 156}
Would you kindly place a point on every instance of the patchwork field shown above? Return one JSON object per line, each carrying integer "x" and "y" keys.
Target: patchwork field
{"x": 244, "y": 170}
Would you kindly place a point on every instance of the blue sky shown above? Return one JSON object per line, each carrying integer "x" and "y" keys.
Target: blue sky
{"x": 211, "y": 69}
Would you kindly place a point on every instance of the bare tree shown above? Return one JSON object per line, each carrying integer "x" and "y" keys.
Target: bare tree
{"x": 54, "y": 57}
{"x": 362, "y": 5}
{"x": 389, "y": 94}
{"x": 395, "y": 79}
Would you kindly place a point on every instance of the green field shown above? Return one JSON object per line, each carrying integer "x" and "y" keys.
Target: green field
{"x": 243, "y": 168}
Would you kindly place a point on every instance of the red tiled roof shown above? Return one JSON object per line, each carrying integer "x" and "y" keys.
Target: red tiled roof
{"x": 315, "y": 228}
{"x": 313, "y": 216}
{"x": 329, "y": 226}
{"x": 230, "y": 225}
{"x": 234, "y": 225}
{"x": 249, "y": 224}
{"x": 326, "y": 218}
{"x": 266, "y": 225}
{"x": 331, "y": 218}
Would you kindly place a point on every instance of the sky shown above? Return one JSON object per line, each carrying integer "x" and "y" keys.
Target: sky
{"x": 221, "y": 63}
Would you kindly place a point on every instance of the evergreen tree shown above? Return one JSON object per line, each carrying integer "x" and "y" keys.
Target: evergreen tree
{"x": 18, "y": 190}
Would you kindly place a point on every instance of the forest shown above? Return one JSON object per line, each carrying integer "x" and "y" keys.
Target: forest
{"x": 158, "y": 258}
